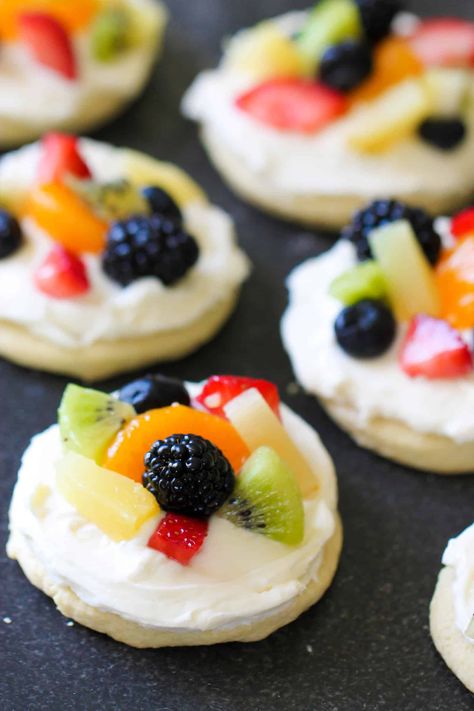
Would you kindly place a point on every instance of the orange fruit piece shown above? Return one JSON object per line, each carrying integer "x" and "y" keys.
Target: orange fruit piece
{"x": 126, "y": 453}
{"x": 75, "y": 15}
{"x": 455, "y": 280}
{"x": 66, "y": 218}
{"x": 394, "y": 61}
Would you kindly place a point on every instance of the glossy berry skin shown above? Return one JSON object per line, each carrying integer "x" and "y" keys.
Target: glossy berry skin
{"x": 344, "y": 66}
{"x": 443, "y": 133}
{"x": 382, "y": 212}
{"x": 62, "y": 275}
{"x": 11, "y": 237}
{"x": 377, "y": 16}
{"x": 148, "y": 246}
{"x": 153, "y": 391}
{"x": 161, "y": 203}
{"x": 366, "y": 329}
{"x": 60, "y": 156}
{"x": 218, "y": 390}
{"x": 48, "y": 42}
{"x": 188, "y": 475}
{"x": 179, "y": 537}
{"x": 434, "y": 350}
{"x": 462, "y": 224}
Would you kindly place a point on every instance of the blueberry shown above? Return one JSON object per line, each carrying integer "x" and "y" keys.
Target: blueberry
{"x": 10, "y": 234}
{"x": 443, "y": 133}
{"x": 366, "y": 329}
{"x": 154, "y": 391}
{"x": 162, "y": 203}
{"x": 344, "y": 66}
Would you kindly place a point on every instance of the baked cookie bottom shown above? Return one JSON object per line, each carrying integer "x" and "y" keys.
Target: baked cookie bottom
{"x": 456, "y": 651}
{"x": 137, "y": 635}
{"x": 328, "y": 210}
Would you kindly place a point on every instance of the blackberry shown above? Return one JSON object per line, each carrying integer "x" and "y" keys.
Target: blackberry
{"x": 188, "y": 475}
{"x": 377, "y": 16}
{"x": 366, "y": 329}
{"x": 148, "y": 246}
{"x": 344, "y": 66}
{"x": 10, "y": 234}
{"x": 443, "y": 133}
{"x": 154, "y": 391}
{"x": 381, "y": 212}
{"x": 161, "y": 203}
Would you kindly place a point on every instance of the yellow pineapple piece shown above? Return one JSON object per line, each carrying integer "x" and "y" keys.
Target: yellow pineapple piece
{"x": 114, "y": 503}
{"x": 38, "y": 500}
{"x": 258, "y": 426}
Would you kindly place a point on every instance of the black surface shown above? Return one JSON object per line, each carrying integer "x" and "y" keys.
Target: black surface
{"x": 366, "y": 645}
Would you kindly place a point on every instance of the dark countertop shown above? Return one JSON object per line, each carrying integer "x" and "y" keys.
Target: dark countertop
{"x": 366, "y": 645}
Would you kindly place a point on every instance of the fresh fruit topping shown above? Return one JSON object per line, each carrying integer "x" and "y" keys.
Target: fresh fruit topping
{"x": 60, "y": 156}
{"x": 161, "y": 203}
{"x": 62, "y": 274}
{"x": 267, "y": 499}
{"x": 450, "y": 88}
{"x": 126, "y": 453}
{"x": 330, "y": 22}
{"x": 383, "y": 212}
{"x": 366, "y": 329}
{"x": 218, "y": 390}
{"x": 345, "y": 66}
{"x": 66, "y": 218}
{"x": 443, "y": 133}
{"x": 391, "y": 117}
{"x": 188, "y": 475}
{"x": 462, "y": 224}
{"x": 88, "y": 419}
{"x": 148, "y": 247}
{"x": 154, "y": 391}
{"x": 265, "y": 52}
{"x": 411, "y": 283}
{"x": 179, "y": 537}
{"x": 115, "y": 504}
{"x": 434, "y": 350}
{"x": 117, "y": 200}
{"x": 258, "y": 426}
{"x": 74, "y": 16}
{"x": 444, "y": 41}
{"x": 365, "y": 281}
{"x": 110, "y": 34}
{"x": 11, "y": 237}
{"x": 377, "y": 16}
{"x": 48, "y": 42}
{"x": 292, "y": 104}
{"x": 455, "y": 281}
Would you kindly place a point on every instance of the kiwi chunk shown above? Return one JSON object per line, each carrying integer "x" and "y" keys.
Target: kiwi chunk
{"x": 88, "y": 419}
{"x": 112, "y": 201}
{"x": 110, "y": 35}
{"x": 267, "y": 499}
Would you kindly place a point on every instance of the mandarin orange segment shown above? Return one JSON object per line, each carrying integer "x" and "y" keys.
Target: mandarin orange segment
{"x": 75, "y": 15}
{"x": 127, "y": 451}
{"x": 66, "y": 218}
{"x": 394, "y": 61}
{"x": 455, "y": 280}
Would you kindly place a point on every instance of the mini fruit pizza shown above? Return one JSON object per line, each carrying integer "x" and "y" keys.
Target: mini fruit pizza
{"x": 312, "y": 114}
{"x": 72, "y": 64}
{"x": 380, "y": 329}
{"x": 173, "y": 513}
{"x": 108, "y": 259}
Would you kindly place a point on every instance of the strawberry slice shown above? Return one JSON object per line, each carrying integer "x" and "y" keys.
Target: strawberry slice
{"x": 463, "y": 223}
{"x": 444, "y": 41}
{"x": 60, "y": 156}
{"x": 48, "y": 42}
{"x": 179, "y": 537}
{"x": 435, "y": 350}
{"x": 293, "y": 104}
{"x": 61, "y": 275}
{"x": 218, "y": 390}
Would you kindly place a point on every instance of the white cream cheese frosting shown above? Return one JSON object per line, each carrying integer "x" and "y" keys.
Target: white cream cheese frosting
{"x": 323, "y": 163}
{"x": 34, "y": 99}
{"x": 238, "y": 576}
{"x": 377, "y": 387}
{"x": 108, "y": 312}
{"x": 459, "y": 555}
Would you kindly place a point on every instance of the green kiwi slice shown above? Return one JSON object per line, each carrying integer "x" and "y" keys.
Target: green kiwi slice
{"x": 112, "y": 201}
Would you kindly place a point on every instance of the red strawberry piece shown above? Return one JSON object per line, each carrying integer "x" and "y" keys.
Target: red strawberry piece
{"x": 444, "y": 41}
{"x": 62, "y": 274}
{"x": 463, "y": 223}
{"x": 434, "y": 349}
{"x": 179, "y": 537}
{"x": 48, "y": 42}
{"x": 293, "y": 104}
{"x": 60, "y": 156}
{"x": 218, "y": 390}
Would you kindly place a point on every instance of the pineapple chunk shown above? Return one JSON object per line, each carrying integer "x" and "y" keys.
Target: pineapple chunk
{"x": 450, "y": 90}
{"x": 409, "y": 278}
{"x": 114, "y": 503}
{"x": 391, "y": 117}
{"x": 265, "y": 52}
{"x": 258, "y": 426}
